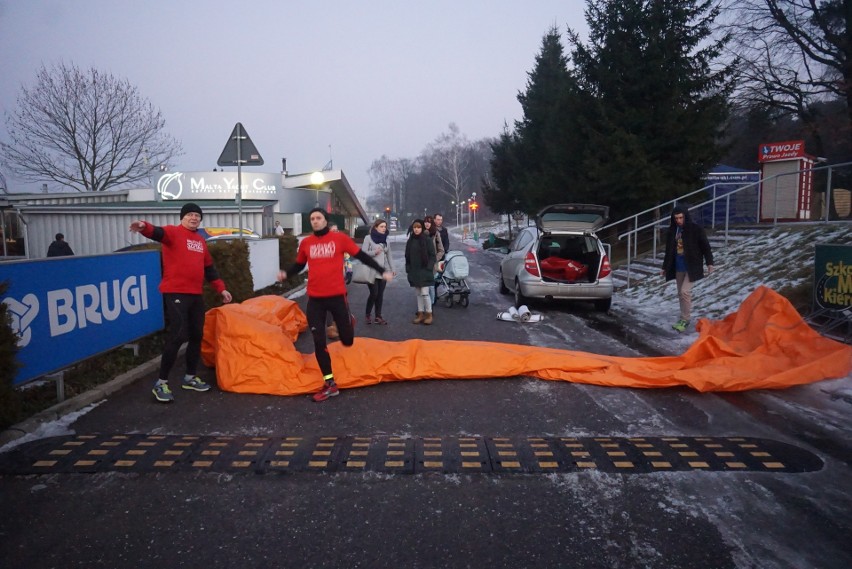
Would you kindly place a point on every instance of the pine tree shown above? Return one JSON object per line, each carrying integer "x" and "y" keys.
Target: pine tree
{"x": 536, "y": 163}
{"x": 657, "y": 99}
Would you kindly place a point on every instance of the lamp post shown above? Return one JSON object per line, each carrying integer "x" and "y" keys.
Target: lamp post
{"x": 317, "y": 180}
{"x": 475, "y": 207}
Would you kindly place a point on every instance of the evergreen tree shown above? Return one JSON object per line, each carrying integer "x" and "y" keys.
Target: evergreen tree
{"x": 545, "y": 132}
{"x": 536, "y": 164}
{"x": 656, "y": 99}
{"x": 498, "y": 192}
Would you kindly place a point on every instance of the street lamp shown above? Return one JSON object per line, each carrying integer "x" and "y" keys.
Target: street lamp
{"x": 474, "y": 207}
{"x": 317, "y": 180}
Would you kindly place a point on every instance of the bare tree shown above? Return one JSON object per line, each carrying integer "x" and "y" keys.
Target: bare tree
{"x": 389, "y": 177}
{"x": 449, "y": 159}
{"x": 86, "y": 130}
{"x": 793, "y": 53}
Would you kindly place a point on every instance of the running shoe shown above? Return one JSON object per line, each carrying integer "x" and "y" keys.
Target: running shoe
{"x": 382, "y": 321}
{"x": 326, "y": 392}
{"x": 195, "y": 384}
{"x": 162, "y": 392}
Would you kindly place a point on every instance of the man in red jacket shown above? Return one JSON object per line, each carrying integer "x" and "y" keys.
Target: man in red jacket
{"x": 186, "y": 264}
{"x": 323, "y": 252}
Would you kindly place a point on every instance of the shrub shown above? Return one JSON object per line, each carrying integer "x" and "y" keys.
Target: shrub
{"x": 231, "y": 261}
{"x": 9, "y": 396}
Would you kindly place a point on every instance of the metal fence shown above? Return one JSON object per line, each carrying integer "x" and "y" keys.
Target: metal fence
{"x": 765, "y": 202}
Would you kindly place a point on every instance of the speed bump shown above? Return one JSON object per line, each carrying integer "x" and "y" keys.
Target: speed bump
{"x": 404, "y": 455}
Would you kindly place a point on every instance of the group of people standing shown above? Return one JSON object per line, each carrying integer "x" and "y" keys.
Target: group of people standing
{"x": 187, "y": 263}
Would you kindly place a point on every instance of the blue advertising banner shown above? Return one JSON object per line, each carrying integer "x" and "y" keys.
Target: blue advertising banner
{"x": 833, "y": 276}
{"x": 67, "y": 309}
{"x": 743, "y": 204}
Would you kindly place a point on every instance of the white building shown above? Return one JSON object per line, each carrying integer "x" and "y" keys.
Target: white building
{"x": 97, "y": 222}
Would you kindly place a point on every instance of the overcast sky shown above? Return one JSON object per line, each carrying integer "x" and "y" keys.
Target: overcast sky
{"x": 309, "y": 80}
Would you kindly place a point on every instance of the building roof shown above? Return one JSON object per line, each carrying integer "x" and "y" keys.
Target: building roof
{"x": 335, "y": 182}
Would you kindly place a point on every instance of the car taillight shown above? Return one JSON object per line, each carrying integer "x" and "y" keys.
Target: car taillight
{"x": 606, "y": 268}
{"x": 530, "y": 265}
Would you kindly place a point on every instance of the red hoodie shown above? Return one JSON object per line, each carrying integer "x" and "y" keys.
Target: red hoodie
{"x": 186, "y": 260}
{"x": 324, "y": 257}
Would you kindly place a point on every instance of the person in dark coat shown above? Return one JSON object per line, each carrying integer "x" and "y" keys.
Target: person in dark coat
{"x": 419, "y": 266}
{"x": 445, "y": 235}
{"x": 687, "y": 249}
{"x": 60, "y": 247}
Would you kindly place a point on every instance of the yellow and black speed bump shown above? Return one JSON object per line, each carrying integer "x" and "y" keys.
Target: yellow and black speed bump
{"x": 403, "y": 455}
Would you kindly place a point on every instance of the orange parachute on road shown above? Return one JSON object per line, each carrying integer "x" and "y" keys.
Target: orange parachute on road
{"x": 764, "y": 345}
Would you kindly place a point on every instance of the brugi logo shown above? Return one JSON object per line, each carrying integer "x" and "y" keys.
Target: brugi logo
{"x": 70, "y": 309}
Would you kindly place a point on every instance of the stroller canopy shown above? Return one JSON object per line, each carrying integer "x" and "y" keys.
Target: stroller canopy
{"x": 455, "y": 265}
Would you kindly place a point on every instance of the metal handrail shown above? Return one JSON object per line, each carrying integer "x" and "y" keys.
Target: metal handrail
{"x": 632, "y": 237}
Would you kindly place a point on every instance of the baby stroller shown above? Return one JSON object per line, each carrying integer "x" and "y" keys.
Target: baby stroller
{"x": 450, "y": 282}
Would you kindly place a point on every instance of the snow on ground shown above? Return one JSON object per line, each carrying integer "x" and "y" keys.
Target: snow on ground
{"x": 781, "y": 259}
{"x": 56, "y": 428}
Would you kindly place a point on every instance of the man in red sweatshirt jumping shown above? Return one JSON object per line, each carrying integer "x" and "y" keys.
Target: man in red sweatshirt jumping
{"x": 322, "y": 251}
{"x": 186, "y": 264}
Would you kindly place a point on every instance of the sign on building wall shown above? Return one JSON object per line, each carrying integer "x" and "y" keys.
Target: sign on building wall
{"x": 787, "y": 150}
{"x": 833, "y": 276}
{"x": 217, "y": 185}
{"x": 67, "y": 309}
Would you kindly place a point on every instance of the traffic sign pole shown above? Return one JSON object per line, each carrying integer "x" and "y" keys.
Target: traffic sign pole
{"x": 240, "y": 176}
{"x": 232, "y": 155}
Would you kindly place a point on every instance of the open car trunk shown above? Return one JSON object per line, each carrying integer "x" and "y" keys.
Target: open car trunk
{"x": 571, "y": 258}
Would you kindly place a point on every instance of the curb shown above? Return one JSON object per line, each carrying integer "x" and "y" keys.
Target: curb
{"x": 77, "y": 402}
{"x": 94, "y": 395}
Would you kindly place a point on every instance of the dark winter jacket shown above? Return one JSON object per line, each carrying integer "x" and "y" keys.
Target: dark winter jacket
{"x": 445, "y": 238}
{"x": 59, "y": 249}
{"x": 419, "y": 267}
{"x": 696, "y": 248}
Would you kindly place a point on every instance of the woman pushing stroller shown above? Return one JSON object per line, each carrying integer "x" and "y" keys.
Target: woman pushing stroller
{"x": 431, "y": 230}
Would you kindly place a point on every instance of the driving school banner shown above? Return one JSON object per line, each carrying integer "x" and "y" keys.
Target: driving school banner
{"x": 67, "y": 309}
{"x": 833, "y": 276}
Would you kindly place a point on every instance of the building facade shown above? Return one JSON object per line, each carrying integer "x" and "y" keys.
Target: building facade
{"x": 97, "y": 222}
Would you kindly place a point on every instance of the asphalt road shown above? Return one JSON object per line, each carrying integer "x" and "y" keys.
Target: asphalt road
{"x": 588, "y": 518}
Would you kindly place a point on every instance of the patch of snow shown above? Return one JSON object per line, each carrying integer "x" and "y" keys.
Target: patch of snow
{"x": 56, "y": 428}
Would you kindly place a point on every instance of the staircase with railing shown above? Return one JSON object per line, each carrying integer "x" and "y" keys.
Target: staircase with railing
{"x": 637, "y": 245}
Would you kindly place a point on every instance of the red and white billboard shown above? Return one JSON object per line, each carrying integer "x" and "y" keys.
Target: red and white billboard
{"x": 787, "y": 150}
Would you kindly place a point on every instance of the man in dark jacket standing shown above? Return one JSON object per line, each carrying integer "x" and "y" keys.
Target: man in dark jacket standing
{"x": 442, "y": 231}
{"x": 60, "y": 247}
{"x": 687, "y": 249}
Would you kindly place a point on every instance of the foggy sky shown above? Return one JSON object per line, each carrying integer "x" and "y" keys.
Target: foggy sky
{"x": 309, "y": 80}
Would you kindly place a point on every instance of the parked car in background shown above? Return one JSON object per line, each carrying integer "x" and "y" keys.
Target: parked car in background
{"x": 213, "y": 234}
{"x": 560, "y": 257}
{"x": 210, "y": 234}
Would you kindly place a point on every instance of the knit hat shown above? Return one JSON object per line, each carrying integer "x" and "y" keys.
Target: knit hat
{"x": 190, "y": 208}
{"x": 321, "y": 210}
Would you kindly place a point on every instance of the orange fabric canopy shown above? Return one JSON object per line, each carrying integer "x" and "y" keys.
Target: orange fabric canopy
{"x": 764, "y": 345}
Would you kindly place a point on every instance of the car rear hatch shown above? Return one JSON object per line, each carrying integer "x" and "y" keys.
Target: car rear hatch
{"x": 567, "y": 235}
{"x": 571, "y": 218}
